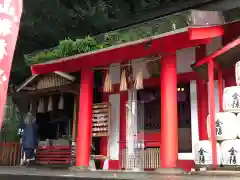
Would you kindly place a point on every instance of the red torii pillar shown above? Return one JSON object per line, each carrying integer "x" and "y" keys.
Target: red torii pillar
{"x": 212, "y": 111}
{"x": 211, "y": 78}
{"x": 220, "y": 90}
{"x": 202, "y": 97}
{"x": 84, "y": 131}
{"x": 169, "y": 117}
{"x": 202, "y": 102}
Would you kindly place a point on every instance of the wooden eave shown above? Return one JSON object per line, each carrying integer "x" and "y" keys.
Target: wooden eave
{"x": 31, "y": 84}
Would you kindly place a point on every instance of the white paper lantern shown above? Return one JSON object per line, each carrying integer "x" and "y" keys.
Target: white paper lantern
{"x": 231, "y": 99}
{"x": 226, "y": 126}
{"x": 230, "y": 150}
{"x": 237, "y": 72}
{"x": 203, "y": 153}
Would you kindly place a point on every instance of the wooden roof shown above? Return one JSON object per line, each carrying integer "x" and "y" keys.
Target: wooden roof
{"x": 55, "y": 79}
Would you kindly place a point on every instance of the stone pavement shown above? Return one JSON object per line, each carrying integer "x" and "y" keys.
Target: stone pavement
{"x": 22, "y": 173}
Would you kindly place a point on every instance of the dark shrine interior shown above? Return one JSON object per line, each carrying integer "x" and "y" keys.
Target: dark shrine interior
{"x": 52, "y": 124}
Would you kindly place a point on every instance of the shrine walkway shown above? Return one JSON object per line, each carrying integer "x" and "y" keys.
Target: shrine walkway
{"x": 22, "y": 173}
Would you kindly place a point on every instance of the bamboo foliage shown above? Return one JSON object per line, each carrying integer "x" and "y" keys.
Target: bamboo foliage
{"x": 12, "y": 118}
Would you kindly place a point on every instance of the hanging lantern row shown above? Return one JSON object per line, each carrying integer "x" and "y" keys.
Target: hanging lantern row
{"x": 127, "y": 79}
{"x": 41, "y": 105}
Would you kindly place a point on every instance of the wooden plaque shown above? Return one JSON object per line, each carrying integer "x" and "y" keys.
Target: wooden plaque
{"x": 100, "y": 119}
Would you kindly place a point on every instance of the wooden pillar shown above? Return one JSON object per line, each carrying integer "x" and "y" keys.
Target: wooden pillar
{"x": 84, "y": 135}
{"x": 212, "y": 112}
{"x": 74, "y": 123}
{"x": 74, "y": 128}
{"x": 169, "y": 117}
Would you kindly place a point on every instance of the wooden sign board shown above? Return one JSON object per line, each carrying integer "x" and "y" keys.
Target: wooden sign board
{"x": 100, "y": 119}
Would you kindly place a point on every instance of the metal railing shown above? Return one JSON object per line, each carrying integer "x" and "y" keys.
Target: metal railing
{"x": 150, "y": 159}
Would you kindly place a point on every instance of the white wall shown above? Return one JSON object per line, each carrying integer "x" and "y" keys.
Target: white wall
{"x": 113, "y": 140}
{"x": 194, "y": 113}
{"x": 115, "y": 72}
{"x": 185, "y": 58}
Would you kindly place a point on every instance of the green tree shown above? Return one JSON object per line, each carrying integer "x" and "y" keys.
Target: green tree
{"x": 9, "y": 131}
